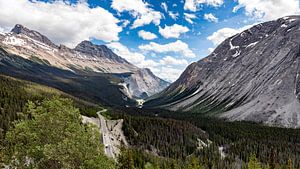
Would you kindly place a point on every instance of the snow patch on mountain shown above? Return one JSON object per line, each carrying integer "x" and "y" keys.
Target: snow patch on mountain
{"x": 13, "y": 40}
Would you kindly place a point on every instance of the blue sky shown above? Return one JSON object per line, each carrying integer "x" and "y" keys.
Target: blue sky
{"x": 164, "y": 36}
{"x": 196, "y": 37}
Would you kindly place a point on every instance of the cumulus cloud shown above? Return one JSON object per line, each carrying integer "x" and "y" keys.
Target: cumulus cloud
{"x": 210, "y": 17}
{"x": 135, "y": 58}
{"x": 164, "y": 6}
{"x": 177, "y": 47}
{"x": 60, "y": 21}
{"x": 221, "y": 34}
{"x": 193, "y": 5}
{"x": 173, "y": 31}
{"x": 260, "y": 10}
{"x": 125, "y": 23}
{"x": 268, "y": 9}
{"x": 189, "y": 17}
{"x": 164, "y": 68}
{"x": 169, "y": 60}
{"x": 210, "y": 50}
{"x": 146, "y": 35}
{"x": 173, "y": 15}
{"x": 169, "y": 73}
{"x": 140, "y": 10}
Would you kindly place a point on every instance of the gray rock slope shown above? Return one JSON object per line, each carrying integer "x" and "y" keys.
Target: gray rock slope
{"x": 86, "y": 57}
{"x": 251, "y": 76}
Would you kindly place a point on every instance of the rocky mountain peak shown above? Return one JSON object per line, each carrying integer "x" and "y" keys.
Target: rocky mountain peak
{"x": 94, "y": 50}
{"x": 20, "y": 29}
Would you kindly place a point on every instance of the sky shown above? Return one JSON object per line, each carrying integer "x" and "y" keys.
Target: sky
{"x": 162, "y": 35}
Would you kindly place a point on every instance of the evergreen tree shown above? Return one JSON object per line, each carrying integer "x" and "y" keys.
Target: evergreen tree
{"x": 290, "y": 164}
{"x": 254, "y": 163}
{"x": 53, "y": 137}
{"x": 194, "y": 163}
{"x": 125, "y": 160}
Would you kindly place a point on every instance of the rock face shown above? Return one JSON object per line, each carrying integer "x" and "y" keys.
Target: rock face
{"x": 88, "y": 48}
{"x": 252, "y": 76}
{"x": 84, "y": 58}
{"x": 144, "y": 80}
{"x": 20, "y": 29}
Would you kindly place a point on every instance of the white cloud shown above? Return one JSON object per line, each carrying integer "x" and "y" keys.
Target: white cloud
{"x": 173, "y": 15}
{"x": 169, "y": 60}
{"x": 140, "y": 10}
{"x": 177, "y": 46}
{"x": 135, "y": 58}
{"x": 173, "y": 31}
{"x": 164, "y": 6}
{"x": 124, "y": 52}
{"x": 210, "y": 50}
{"x": 146, "y": 35}
{"x": 168, "y": 73}
{"x": 268, "y": 9}
{"x": 162, "y": 68}
{"x": 221, "y": 34}
{"x": 61, "y": 22}
{"x": 210, "y": 17}
{"x": 188, "y": 17}
{"x": 258, "y": 9}
{"x": 125, "y": 23}
{"x": 193, "y": 5}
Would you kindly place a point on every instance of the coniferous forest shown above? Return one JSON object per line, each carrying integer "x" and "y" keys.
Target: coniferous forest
{"x": 157, "y": 138}
{"x": 272, "y": 146}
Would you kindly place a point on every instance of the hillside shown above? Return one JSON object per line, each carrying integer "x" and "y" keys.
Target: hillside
{"x": 15, "y": 93}
{"x": 97, "y": 88}
{"x": 251, "y": 76}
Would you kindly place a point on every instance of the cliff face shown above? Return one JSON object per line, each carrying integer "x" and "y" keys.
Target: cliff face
{"x": 253, "y": 76}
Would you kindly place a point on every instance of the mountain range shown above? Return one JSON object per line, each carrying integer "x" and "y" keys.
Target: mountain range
{"x": 88, "y": 68}
{"x": 251, "y": 76}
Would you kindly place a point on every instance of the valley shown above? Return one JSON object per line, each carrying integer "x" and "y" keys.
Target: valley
{"x": 87, "y": 107}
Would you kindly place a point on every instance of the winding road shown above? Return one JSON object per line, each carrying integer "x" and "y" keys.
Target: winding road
{"x": 108, "y": 146}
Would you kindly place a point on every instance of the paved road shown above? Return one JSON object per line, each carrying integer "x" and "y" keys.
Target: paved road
{"x": 108, "y": 147}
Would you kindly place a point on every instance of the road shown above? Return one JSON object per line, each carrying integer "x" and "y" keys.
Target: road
{"x": 108, "y": 146}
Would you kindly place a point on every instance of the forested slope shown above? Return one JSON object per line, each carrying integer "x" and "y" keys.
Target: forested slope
{"x": 14, "y": 94}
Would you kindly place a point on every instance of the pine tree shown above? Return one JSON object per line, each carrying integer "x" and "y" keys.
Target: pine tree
{"x": 254, "y": 163}
{"x": 125, "y": 159}
{"x": 290, "y": 164}
{"x": 194, "y": 163}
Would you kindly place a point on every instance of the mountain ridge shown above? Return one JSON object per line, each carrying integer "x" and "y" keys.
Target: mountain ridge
{"x": 85, "y": 57}
{"x": 251, "y": 76}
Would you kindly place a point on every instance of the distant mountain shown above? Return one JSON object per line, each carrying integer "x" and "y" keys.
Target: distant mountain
{"x": 84, "y": 58}
{"x": 252, "y": 76}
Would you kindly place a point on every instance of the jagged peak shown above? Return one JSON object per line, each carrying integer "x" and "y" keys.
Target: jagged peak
{"x": 89, "y": 45}
{"x": 20, "y": 29}
{"x": 84, "y": 43}
{"x": 98, "y": 51}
